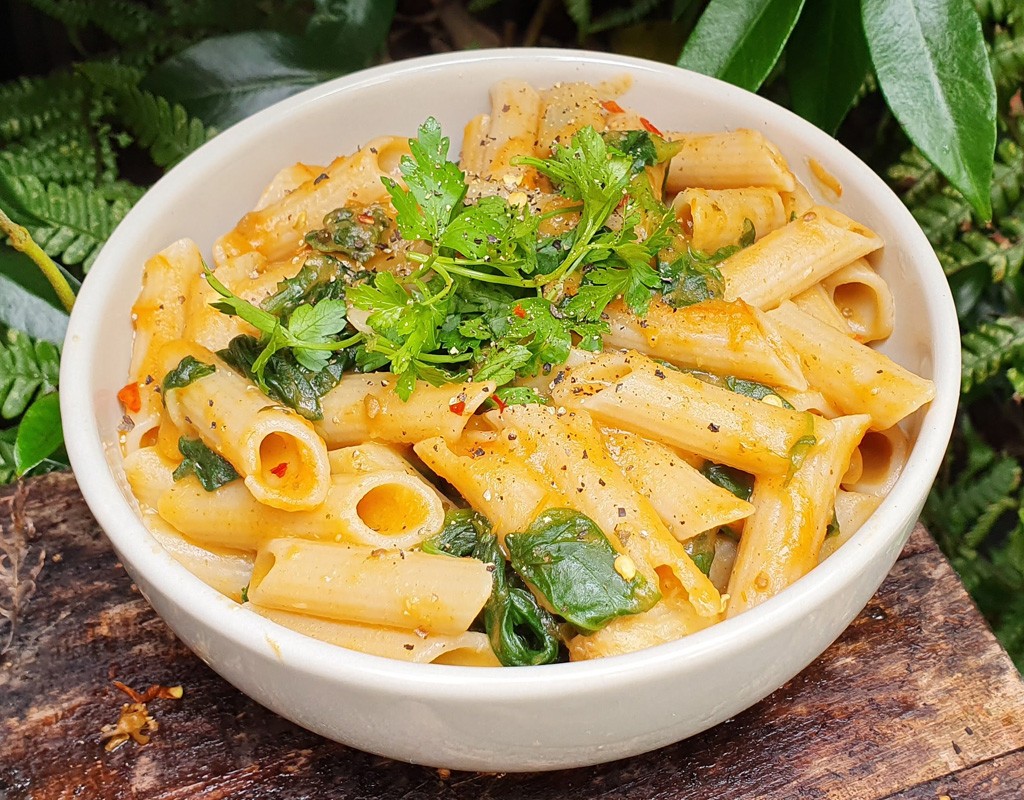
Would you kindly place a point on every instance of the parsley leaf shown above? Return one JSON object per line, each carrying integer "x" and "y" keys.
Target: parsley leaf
{"x": 310, "y": 332}
{"x": 212, "y": 469}
{"x": 436, "y": 186}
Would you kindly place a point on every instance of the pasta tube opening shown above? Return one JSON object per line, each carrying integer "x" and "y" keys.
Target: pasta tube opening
{"x": 395, "y": 510}
{"x": 882, "y": 455}
{"x": 285, "y": 469}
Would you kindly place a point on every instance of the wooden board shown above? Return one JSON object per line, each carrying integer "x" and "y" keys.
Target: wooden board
{"x": 916, "y": 700}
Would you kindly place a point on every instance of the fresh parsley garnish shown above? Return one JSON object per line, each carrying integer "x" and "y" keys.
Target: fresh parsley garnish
{"x": 310, "y": 332}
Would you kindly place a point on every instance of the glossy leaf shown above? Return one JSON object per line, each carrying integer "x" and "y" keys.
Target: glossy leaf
{"x": 355, "y": 28}
{"x": 39, "y": 433}
{"x": 27, "y": 301}
{"x": 826, "y": 62}
{"x": 739, "y": 41}
{"x": 224, "y": 79}
{"x": 934, "y": 71}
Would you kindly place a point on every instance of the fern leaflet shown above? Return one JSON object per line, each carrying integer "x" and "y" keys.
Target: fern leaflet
{"x": 166, "y": 130}
{"x": 27, "y": 369}
{"x": 7, "y": 471}
{"x": 31, "y": 105}
{"x": 69, "y": 222}
{"x": 989, "y": 349}
{"x": 122, "y": 20}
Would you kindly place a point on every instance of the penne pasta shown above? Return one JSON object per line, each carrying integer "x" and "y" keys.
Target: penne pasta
{"x": 277, "y": 229}
{"x": 863, "y": 300}
{"x": 678, "y": 409}
{"x": 725, "y": 338}
{"x": 852, "y": 376}
{"x": 281, "y": 459}
{"x": 782, "y": 539}
{"x": 687, "y": 502}
{"x": 716, "y": 218}
{"x": 795, "y": 257}
{"x": 467, "y": 649}
{"x": 731, "y": 160}
{"x": 410, "y": 590}
{"x": 596, "y": 487}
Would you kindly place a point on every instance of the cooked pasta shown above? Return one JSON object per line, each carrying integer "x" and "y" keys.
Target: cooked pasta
{"x": 594, "y": 391}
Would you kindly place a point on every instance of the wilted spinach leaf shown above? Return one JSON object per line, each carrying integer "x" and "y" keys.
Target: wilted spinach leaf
{"x": 212, "y": 469}
{"x": 572, "y": 564}
{"x": 736, "y": 481}
{"x": 520, "y": 631}
{"x": 287, "y": 381}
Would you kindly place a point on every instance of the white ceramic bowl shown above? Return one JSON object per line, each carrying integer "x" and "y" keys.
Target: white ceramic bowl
{"x": 562, "y": 715}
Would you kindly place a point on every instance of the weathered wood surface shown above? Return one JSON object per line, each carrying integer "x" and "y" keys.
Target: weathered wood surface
{"x": 916, "y": 700}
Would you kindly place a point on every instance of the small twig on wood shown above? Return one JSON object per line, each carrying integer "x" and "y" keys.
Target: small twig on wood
{"x": 18, "y": 573}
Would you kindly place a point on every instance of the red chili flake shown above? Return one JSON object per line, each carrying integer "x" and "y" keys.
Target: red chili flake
{"x": 366, "y": 219}
{"x": 280, "y": 469}
{"x": 519, "y": 311}
{"x": 501, "y": 404}
{"x": 622, "y": 203}
{"x": 129, "y": 397}
{"x": 649, "y": 127}
{"x": 457, "y": 408}
{"x": 612, "y": 107}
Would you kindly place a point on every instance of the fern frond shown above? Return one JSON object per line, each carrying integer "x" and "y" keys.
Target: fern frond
{"x": 942, "y": 216}
{"x": 69, "y": 222}
{"x": 122, "y": 20}
{"x": 996, "y": 11}
{"x": 914, "y": 176}
{"x": 624, "y": 15}
{"x": 27, "y": 369}
{"x": 968, "y": 502}
{"x": 166, "y": 130}
{"x": 31, "y": 105}
{"x": 1007, "y": 55}
{"x": 989, "y": 349}
{"x": 63, "y": 154}
{"x": 7, "y": 470}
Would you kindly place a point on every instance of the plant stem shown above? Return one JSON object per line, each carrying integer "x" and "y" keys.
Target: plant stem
{"x": 22, "y": 241}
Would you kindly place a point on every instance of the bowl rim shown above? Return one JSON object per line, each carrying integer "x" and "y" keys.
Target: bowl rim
{"x": 259, "y": 636}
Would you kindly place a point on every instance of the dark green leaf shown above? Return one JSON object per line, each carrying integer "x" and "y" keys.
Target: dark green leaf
{"x": 460, "y": 535}
{"x": 521, "y": 633}
{"x": 353, "y": 29}
{"x": 354, "y": 232}
{"x": 826, "y": 62}
{"x": 565, "y": 557}
{"x": 701, "y": 550}
{"x": 188, "y": 370}
{"x": 319, "y": 279}
{"x": 934, "y": 71}
{"x": 224, "y": 79}
{"x": 739, "y": 483}
{"x": 27, "y": 368}
{"x": 22, "y": 306}
{"x": 212, "y": 469}
{"x": 39, "y": 433}
{"x": 739, "y": 41}
{"x": 284, "y": 379}
{"x": 755, "y": 390}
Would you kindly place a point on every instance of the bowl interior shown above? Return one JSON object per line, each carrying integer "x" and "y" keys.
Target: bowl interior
{"x": 205, "y": 195}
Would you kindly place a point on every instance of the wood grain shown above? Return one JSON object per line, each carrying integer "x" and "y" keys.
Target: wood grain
{"x": 916, "y": 699}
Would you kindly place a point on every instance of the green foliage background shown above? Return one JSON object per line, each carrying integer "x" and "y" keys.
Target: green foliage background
{"x": 79, "y": 146}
